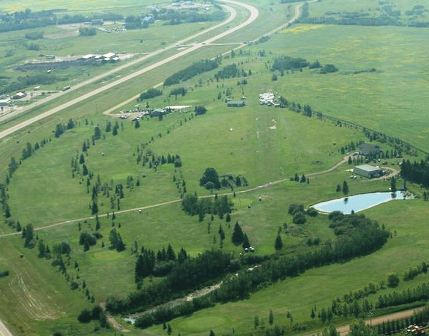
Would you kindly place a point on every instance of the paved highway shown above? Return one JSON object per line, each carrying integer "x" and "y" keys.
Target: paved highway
{"x": 4, "y": 331}
{"x": 231, "y": 17}
{"x": 254, "y": 13}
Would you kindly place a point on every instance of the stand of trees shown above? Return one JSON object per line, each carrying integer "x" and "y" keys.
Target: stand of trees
{"x": 363, "y": 237}
{"x": 159, "y": 264}
{"x": 419, "y": 293}
{"x": 392, "y": 327}
{"x": 87, "y": 31}
{"x": 150, "y": 93}
{"x": 417, "y": 172}
{"x": 231, "y": 71}
{"x": 191, "y": 71}
{"x": 23, "y": 82}
{"x": 28, "y": 19}
{"x": 184, "y": 277}
{"x": 219, "y": 206}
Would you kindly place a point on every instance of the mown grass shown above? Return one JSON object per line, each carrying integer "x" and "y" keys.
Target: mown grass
{"x": 298, "y": 144}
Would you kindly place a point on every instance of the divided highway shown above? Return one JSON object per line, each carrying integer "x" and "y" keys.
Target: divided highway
{"x": 254, "y": 13}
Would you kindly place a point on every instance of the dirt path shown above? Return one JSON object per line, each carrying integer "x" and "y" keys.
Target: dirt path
{"x": 195, "y": 295}
{"x": 254, "y": 13}
{"x": 260, "y": 187}
{"x": 344, "y": 330}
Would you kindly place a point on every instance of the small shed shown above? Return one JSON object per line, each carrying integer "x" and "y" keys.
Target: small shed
{"x": 236, "y": 103}
{"x": 368, "y": 171}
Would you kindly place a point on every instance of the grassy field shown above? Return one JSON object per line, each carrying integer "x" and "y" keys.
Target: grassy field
{"x": 118, "y": 6}
{"x": 235, "y": 141}
{"x": 374, "y": 9}
{"x": 395, "y": 89}
{"x": 64, "y": 41}
{"x": 299, "y": 295}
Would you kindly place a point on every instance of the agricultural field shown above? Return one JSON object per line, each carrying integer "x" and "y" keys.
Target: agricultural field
{"x": 369, "y": 13}
{"x": 92, "y": 192}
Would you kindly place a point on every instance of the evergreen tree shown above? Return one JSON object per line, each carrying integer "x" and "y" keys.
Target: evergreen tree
{"x": 271, "y": 317}
{"x": 278, "y": 245}
{"x": 237, "y": 235}
{"x": 171, "y": 255}
{"x": 28, "y": 236}
{"x": 345, "y": 188}
{"x": 246, "y": 243}
{"x": 139, "y": 270}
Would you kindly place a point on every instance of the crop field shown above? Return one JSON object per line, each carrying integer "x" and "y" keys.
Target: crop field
{"x": 374, "y": 9}
{"x": 355, "y": 93}
{"x": 380, "y": 84}
{"x": 58, "y": 41}
{"x": 75, "y": 6}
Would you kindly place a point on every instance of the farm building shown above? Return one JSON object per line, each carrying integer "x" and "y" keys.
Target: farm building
{"x": 158, "y": 112}
{"x": 19, "y": 95}
{"x": 4, "y": 102}
{"x": 236, "y": 103}
{"x": 367, "y": 149}
{"x": 178, "y": 108}
{"x": 368, "y": 171}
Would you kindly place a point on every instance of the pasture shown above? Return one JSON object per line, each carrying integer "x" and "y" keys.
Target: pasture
{"x": 238, "y": 141}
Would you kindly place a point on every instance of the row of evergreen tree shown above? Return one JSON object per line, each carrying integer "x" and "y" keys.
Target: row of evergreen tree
{"x": 420, "y": 317}
{"x": 364, "y": 237}
{"x": 159, "y": 263}
{"x": 217, "y": 205}
{"x": 417, "y": 172}
{"x": 183, "y": 277}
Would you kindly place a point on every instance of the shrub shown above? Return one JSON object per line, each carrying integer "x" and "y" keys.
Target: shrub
{"x": 87, "y": 31}
{"x": 200, "y": 110}
{"x": 299, "y": 218}
{"x": 312, "y": 212}
{"x": 34, "y": 35}
{"x": 85, "y": 316}
{"x": 4, "y": 274}
{"x": 392, "y": 280}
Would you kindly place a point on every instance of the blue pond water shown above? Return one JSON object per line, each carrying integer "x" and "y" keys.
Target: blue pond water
{"x": 360, "y": 202}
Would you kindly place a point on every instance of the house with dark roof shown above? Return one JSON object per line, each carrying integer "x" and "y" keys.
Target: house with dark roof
{"x": 367, "y": 149}
{"x": 236, "y": 103}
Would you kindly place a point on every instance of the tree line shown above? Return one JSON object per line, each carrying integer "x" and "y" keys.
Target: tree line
{"x": 192, "y": 71}
{"x": 217, "y": 205}
{"x": 183, "y": 277}
{"x": 28, "y": 19}
{"x": 417, "y": 172}
{"x": 161, "y": 263}
{"x": 364, "y": 237}
{"x": 420, "y": 317}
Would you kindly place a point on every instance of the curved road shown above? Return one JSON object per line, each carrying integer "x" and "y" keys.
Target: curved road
{"x": 254, "y": 13}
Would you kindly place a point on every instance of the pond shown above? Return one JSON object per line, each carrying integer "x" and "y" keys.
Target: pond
{"x": 360, "y": 202}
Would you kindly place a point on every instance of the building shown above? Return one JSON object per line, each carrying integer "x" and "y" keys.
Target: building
{"x": 4, "y": 102}
{"x": 367, "y": 149}
{"x": 158, "y": 112}
{"x": 178, "y": 108}
{"x": 368, "y": 171}
{"x": 236, "y": 103}
{"x": 19, "y": 95}
{"x": 267, "y": 98}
